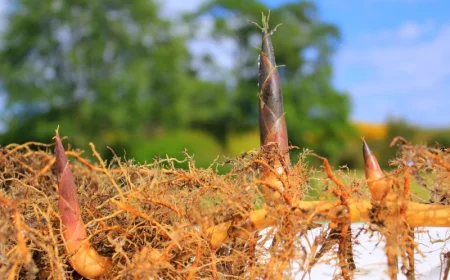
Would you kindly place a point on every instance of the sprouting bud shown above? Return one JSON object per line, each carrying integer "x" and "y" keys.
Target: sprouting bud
{"x": 84, "y": 259}
{"x": 380, "y": 187}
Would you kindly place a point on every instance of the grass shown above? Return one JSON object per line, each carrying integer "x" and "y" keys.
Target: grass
{"x": 319, "y": 183}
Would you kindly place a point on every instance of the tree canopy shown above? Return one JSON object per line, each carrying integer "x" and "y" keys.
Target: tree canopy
{"x": 118, "y": 74}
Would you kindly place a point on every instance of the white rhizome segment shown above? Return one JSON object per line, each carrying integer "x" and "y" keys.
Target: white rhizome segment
{"x": 370, "y": 257}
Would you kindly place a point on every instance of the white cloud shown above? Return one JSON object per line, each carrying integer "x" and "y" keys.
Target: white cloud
{"x": 174, "y": 8}
{"x": 412, "y": 30}
{"x": 405, "y": 33}
{"x": 411, "y": 81}
{"x": 413, "y": 68}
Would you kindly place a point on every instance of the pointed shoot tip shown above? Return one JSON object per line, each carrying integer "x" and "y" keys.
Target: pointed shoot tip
{"x": 366, "y": 150}
{"x": 371, "y": 165}
{"x": 379, "y": 186}
{"x": 61, "y": 158}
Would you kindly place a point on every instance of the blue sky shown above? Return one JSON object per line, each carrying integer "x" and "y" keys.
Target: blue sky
{"x": 394, "y": 59}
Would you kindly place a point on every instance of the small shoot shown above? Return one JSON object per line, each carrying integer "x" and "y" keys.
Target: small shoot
{"x": 379, "y": 185}
{"x": 82, "y": 257}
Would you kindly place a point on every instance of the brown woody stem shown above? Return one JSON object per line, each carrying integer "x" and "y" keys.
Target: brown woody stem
{"x": 417, "y": 215}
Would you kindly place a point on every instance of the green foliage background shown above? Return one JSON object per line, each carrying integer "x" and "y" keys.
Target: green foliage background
{"x": 120, "y": 75}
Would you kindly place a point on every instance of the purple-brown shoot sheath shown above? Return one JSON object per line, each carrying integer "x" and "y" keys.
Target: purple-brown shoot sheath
{"x": 83, "y": 258}
{"x": 271, "y": 111}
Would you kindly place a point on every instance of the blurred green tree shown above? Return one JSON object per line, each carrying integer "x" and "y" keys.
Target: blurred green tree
{"x": 317, "y": 114}
{"x": 117, "y": 73}
{"x": 105, "y": 71}
{"x": 395, "y": 127}
{"x": 440, "y": 139}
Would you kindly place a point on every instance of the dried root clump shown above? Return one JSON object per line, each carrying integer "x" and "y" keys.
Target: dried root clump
{"x": 67, "y": 219}
{"x": 149, "y": 220}
{"x": 157, "y": 221}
